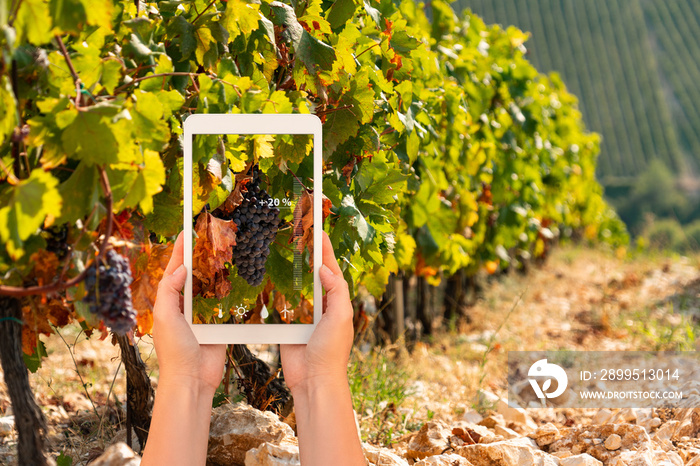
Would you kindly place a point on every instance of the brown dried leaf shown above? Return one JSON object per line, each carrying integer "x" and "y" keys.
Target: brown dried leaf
{"x": 145, "y": 284}
{"x": 212, "y": 250}
{"x": 282, "y": 306}
{"x": 347, "y": 170}
{"x": 303, "y": 223}
{"x": 305, "y": 311}
{"x": 235, "y": 198}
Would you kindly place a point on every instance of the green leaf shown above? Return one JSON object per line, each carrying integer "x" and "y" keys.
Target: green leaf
{"x": 240, "y": 18}
{"x": 64, "y": 460}
{"x": 25, "y": 206}
{"x": 111, "y": 74}
{"x": 137, "y": 185}
{"x": 83, "y": 189}
{"x": 348, "y": 208}
{"x": 8, "y": 110}
{"x": 341, "y": 12}
{"x": 90, "y": 137}
{"x": 403, "y": 43}
{"x": 356, "y": 107}
{"x": 33, "y": 361}
{"x": 68, "y": 15}
{"x": 180, "y": 28}
{"x": 33, "y": 22}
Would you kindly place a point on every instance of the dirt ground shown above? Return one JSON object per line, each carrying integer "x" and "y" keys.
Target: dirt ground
{"x": 580, "y": 299}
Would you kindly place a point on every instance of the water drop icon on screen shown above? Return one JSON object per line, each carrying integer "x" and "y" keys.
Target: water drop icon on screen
{"x": 221, "y": 314}
{"x": 264, "y": 313}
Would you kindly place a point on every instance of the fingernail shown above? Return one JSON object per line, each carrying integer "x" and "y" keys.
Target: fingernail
{"x": 180, "y": 269}
{"x": 324, "y": 270}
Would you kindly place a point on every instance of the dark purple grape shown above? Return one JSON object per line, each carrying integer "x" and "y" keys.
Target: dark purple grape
{"x": 108, "y": 293}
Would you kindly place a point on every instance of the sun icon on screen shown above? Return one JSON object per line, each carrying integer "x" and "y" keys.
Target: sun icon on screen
{"x": 240, "y": 311}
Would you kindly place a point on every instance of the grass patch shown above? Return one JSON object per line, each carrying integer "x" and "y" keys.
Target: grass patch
{"x": 380, "y": 385}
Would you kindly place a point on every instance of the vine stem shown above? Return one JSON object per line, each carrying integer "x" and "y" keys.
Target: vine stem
{"x": 203, "y": 11}
{"x": 59, "y": 284}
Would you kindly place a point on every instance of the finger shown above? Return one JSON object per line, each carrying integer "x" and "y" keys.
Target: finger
{"x": 334, "y": 283}
{"x": 168, "y": 297}
{"x": 177, "y": 255}
{"x": 329, "y": 259}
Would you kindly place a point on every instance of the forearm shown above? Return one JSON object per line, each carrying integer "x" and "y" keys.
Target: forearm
{"x": 326, "y": 424}
{"x": 179, "y": 432}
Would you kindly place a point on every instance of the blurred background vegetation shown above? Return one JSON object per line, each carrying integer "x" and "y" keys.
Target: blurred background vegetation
{"x": 637, "y": 76}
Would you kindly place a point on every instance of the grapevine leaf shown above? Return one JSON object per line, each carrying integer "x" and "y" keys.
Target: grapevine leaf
{"x": 145, "y": 284}
{"x": 83, "y": 181}
{"x": 139, "y": 183}
{"x": 214, "y": 241}
{"x": 314, "y": 54}
{"x": 91, "y": 138}
{"x": 33, "y": 361}
{"x": 33, "y": 22}
{"x": 166, "y": 218}
{"x": 185, "y": 32}
{"x": 355, "y": 107}
{"x": 8, "y": 114}
{"x": 403, "y": 43}
{"x": 357, "y": 220}
{"x": 26, "y": 205}
{"x": 240, "y": 18}
{"x": 207, "y": 48}
{"x": 111, "y": 74}
{"x": 340, "y": 13}
{"x": 236, "y": 197}
{"x": 262, "y": 146}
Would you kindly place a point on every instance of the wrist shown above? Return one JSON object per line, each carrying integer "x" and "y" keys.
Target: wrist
{"x": 320, "y": 384}
{"x": 185, "y": 385}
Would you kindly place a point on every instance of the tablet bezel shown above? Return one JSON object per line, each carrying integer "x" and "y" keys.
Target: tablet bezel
{"x": 252, "y": 124}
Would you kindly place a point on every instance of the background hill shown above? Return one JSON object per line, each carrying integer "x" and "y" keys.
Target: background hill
{"x": 635, "y": 65}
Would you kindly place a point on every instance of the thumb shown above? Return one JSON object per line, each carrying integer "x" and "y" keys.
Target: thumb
{"x": 169, "y": 288}
{"x": 335, "y": 285}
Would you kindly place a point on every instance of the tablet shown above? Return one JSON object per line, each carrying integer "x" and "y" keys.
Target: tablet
{"x": 252, "y": 195}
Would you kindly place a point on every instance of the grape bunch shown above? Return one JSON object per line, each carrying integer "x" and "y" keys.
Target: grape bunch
{"x": 57, "y": 240}
{"x": 108, "y": 292}
{"x": 257, "y": 220}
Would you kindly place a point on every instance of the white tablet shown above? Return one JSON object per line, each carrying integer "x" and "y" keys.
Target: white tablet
{"x": 252, "y": 195}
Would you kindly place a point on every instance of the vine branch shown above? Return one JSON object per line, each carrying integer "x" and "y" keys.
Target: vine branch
{"x": 59, "y": 284}
{"x": 203, "y": 11}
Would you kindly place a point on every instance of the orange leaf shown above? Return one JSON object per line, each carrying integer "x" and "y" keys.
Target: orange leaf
{"x": 303, "y": 223}
{"x": 305, "y": 311}
{"x": 235, "y": 198}
{"x": 45, "y": 267}
{"x": 282, "y": 306}
{"x": 145, "y": 284}
{"x": 212, "y": 250}
{"x": 423, "y": 270}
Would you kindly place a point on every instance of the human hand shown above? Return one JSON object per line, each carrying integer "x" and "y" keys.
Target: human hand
{"x": 325, "y": 358}
{"x": 180, "y": 356}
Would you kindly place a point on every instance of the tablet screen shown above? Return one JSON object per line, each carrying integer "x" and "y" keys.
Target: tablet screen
{"x": 252, "y": 245}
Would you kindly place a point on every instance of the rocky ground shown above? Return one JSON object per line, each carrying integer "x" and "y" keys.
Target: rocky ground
{"x": 448, "y": 407}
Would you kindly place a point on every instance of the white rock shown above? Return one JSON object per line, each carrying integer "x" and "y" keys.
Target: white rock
{"x": 613, "y": 442}
{"x": 431, "y": 439}
{"x": 268, "y": 454}
{"x": 512, "y": 414}
{"x": 472, "y": 417}
{"x": 602, "y": 417}
{"x": 580, "y": 460}
{"x": 505, "y": 432}
{"x": 237, "y": 428}
{"x": 378, "y": 456}
{"x": 444, "y": 460}
{"x": 545, "y": 435}
{"x": 507, "y": 452}
{"x": 7, "y": 425}
{"x": 118, "y": 454}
